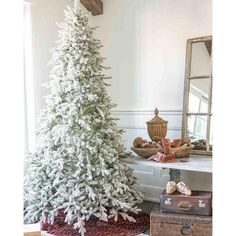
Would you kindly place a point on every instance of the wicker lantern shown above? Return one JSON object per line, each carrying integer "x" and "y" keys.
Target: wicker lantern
{"x": 157, "y": 126}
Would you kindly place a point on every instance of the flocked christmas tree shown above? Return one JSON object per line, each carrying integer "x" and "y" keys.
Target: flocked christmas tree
{"x": 78, "y": 165}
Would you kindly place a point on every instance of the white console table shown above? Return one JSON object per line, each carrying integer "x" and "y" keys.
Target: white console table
{"x": 192, "y": 163}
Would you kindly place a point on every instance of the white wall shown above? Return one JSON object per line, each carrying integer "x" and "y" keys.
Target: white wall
{"x": 144, "y": 43}
{"x": 45, "y": 14}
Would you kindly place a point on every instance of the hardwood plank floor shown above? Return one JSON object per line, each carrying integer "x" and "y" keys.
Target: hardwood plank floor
{"x": 147, "y": 207}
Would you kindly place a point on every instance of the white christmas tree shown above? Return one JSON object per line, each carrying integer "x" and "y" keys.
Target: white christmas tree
{"x": 78, "y": 165}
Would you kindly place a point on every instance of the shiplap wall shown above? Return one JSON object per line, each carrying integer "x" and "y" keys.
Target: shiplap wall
{"x": 145, "y": 45}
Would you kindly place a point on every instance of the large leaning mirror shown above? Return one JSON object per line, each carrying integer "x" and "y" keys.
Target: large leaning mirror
{"x": 197, "y": 106}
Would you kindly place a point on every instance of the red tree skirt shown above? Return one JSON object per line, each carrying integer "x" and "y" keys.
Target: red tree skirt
{"x": 96, "y": 227}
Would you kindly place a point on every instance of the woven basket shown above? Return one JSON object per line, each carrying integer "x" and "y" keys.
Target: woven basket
{"x": 182, "y": 151}
{"x": 157, "y": 130}
{"x": 157, "y": 126}
{"x": 146, "y": 152}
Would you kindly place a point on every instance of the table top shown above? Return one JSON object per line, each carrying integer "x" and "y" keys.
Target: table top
{"x": 193, "y": 163}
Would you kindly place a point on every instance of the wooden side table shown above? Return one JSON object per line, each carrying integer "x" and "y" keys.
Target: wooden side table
{"x": 192, "y": 163}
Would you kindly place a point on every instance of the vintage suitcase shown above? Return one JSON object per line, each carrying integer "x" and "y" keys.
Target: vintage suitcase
{"x": 199, "y": 203}
{"x": 168, "y": 224}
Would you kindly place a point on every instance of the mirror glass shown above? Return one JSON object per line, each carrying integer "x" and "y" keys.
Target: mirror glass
{"x": 201, "y": 59}
{"x": 211, "y": 137}
{"x": 198, "y": 95}
{"x": 197, "y": 127}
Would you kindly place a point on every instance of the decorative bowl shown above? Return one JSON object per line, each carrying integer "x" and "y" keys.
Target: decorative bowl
{"x": 146, "y": 152}
{"x": 180, "y": 152}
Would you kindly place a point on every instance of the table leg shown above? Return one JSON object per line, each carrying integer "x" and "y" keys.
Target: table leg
{"x": 175, "y": 175}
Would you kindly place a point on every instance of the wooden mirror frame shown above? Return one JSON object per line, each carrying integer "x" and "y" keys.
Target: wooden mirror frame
{"x": 188, "y": 78}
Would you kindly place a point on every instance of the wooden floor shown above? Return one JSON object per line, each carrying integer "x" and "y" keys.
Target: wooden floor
{"x": 147, "y": 207}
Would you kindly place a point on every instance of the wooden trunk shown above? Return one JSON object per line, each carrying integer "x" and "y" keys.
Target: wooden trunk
{"x": 168, "y": 224}
{"x": 199, "y": 203}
